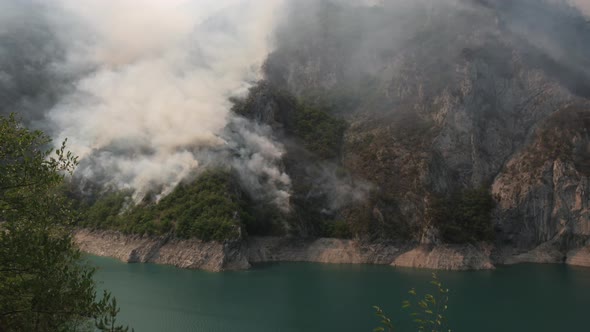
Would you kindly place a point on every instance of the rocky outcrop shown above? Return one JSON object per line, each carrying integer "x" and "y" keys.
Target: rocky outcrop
{"x": 215, "y": 256}
{"x": 579, "y": 257}
{"x": 428, "y": 127}
{"x": 127, "y": 248}
{"x": 322, "y": 250}
{"x": 193, "y": 254}
{"x": 446, "y": 257}
{"x": 546, "y": 253}
{"x": 543, "y": 193}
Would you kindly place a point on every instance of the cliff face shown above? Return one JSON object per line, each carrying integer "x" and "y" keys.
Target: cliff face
{"x": 385, "y": 111}
{"x": 215, "y": 256}
{"x": 461, "y": 137}
{"x": 446, "y": 257}
{"x": 192, "y": 254}
{"x": 476, "y": 94}
{"x": 334, "y": 251}
{"x": 382, "y": 121}
{"x": 542, "y": 192}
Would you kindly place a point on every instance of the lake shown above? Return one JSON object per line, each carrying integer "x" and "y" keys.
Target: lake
{"x": 297, "y": 297}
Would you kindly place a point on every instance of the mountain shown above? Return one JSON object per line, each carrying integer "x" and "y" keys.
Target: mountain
{"x": 443, "y": 102}
{"x": 434, "y": 123}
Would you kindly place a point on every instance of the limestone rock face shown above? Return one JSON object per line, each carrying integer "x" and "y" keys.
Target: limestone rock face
{"x": 216, "y": 257}
{"x": 127, "y": 248}
{"x": 321, "y": 250}
{"x": 543, "y": 193}
{"x": 446, "y": 258}
{"x": 546, "y": 253}
{"x": 193, "y": 254}
{"x": 579, "y": 257}
{"x": 425, "y": 127}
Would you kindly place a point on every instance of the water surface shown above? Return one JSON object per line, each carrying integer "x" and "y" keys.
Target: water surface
{"x": 307, "y": 297}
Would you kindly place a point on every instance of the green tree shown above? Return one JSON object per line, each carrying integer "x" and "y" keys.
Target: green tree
{"x": 44, "y": 285}
{"x": 108, "y": 323}
{"x": 428, "y": 311}
{"x": 213, "y": 207}
{"x": 465, "y": 216}
{"x": 321, "y": 133}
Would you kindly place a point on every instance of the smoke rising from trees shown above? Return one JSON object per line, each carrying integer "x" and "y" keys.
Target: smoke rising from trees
{"x": 146, "y": 87}
{"x": 141, "y": 88}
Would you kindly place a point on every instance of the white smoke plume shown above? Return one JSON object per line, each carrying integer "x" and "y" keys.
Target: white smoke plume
{"x": 583, "y": 5}
{"x": 154, "y": 96}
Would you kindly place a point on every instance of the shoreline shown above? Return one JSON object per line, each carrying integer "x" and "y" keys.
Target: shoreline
{"x": 228, "y": 256}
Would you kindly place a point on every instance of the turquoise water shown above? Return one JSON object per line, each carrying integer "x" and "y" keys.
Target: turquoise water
{"x": 314, "y": 297}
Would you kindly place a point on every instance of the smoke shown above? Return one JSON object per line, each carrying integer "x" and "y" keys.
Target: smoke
{"x": 148, "y": 102}
{"x": 340, "y": 188}
{"x": 355, "y": 43}
{"x": 558, "y": 31}
{"x": 255, "y": 156}
{"x": 583, "y": 6}
{"x": 141, "y": 87}
{"x": 29, "y": 83}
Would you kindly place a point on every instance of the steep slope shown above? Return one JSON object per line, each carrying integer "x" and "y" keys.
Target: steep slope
{"x": 441, "y": 97}
{"x": 542, "y": 192}
{"x": 441, "y": 124}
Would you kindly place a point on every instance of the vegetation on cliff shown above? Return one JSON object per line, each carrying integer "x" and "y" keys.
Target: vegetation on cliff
{"x": 436, "y": 107}
{"x": 417, "y": 99}
{"x": 307, "y": 120}
{"x": 213, "y": 207}
{"x": 562, "y": 136}
{"x": 313, "y": 132}
{"x": 313, "y": 137}
{"x": 465, "y": 216}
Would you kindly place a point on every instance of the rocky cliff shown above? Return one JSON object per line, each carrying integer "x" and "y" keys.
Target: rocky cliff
{"x": 542, "y": 192}
{"x": 395, "y": 118}
{"x": 215, "y": 256}
{"x": 192, "y": 254}
{"x": 444, "y": 97}
{"x": 457, "y": 129}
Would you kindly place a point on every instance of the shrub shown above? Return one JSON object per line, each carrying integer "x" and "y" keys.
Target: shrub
{"x": 213, "y": 207}
{"x": 465, "y": 216}
{"x": 428, "y": 311}
{"x": 104, "y": 212}
{"x": 310, "y": 120}
{"x": 321, "y": 133}
{"x": 336, "y": 229}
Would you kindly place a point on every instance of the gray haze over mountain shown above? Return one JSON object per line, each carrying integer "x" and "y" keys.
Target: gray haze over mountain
{"x": 141, "y": 88}
{"x": 368, "y": 40}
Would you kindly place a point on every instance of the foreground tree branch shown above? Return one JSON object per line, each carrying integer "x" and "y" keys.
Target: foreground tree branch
{"x": 44, "y": 283}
